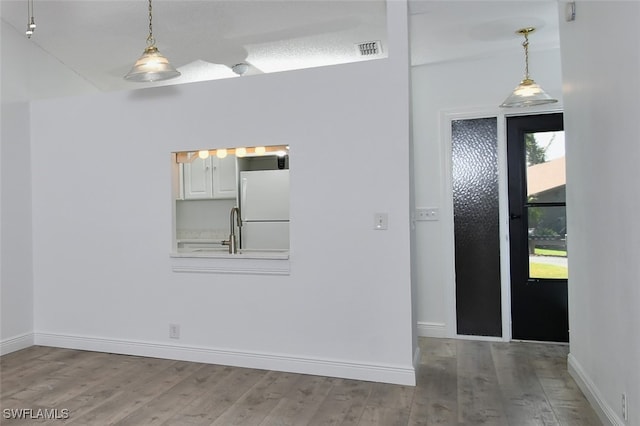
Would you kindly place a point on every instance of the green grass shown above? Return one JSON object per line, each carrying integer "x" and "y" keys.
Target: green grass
{"x": 550, "y": 252}
{"x": 541, "y": 270}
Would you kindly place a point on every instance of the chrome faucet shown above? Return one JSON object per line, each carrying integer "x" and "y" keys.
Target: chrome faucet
{"x": 232, "y": 242}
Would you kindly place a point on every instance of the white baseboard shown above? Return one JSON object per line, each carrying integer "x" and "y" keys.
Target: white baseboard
{"x": 437, "y": 329}
{"x": 432, "y": 329}
{"x": 607, "y": 415}
{"x": 16, "y": 343}
{"x": 402, "y": 375}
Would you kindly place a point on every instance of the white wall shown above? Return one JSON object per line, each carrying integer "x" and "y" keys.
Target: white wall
{"x": 23, "y": 66}
{"x": 22, "y": 60}
{"x": 102, "y": 221}
{"x": 600, "y": 72}
{"x": 16, "y": 283}
{"x": 475, "y": 88}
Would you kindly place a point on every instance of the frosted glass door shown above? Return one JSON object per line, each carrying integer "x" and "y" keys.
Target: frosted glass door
{"x": 474, "y": 149}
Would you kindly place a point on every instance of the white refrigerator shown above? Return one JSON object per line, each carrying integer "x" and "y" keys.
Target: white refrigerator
{"x": 264, "y": 209}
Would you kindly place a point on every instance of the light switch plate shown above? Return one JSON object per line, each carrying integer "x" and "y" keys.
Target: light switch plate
{"x": 380, "y": 221}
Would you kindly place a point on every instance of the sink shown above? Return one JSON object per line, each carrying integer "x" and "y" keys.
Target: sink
{"x": 226, "y": 249}
{"x": 210, "y": 249}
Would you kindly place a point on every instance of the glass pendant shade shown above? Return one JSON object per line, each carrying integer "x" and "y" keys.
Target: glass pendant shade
{"x": 528, "y": 93}
{"x": 151, "y": 66}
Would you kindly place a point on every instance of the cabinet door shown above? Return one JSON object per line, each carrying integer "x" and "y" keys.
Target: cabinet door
{"x": 197, "y": 179}
{"x": 224, "y": 177}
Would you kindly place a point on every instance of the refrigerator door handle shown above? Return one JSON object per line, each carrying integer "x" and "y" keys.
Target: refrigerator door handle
{"x": 243, "y": 200}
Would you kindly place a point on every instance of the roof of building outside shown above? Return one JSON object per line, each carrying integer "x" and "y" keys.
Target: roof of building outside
{"x": 546, "y": 176}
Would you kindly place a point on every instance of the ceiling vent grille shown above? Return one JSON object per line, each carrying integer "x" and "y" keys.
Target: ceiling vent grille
{"x": 369, "y": 48}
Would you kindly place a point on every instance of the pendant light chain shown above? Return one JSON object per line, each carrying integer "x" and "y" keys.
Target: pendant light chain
{"x": 525, "y": 44}
{"x": 150, "y": 40}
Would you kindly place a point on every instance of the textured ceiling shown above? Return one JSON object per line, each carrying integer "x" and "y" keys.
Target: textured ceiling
{"x": 100, "y": 40}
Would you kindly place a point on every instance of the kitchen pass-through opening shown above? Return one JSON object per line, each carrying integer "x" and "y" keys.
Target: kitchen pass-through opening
{"x": 231, "y": 200}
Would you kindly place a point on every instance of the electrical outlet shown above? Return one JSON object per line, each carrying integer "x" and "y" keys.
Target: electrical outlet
{"x": 625, "y": 407}
{"x": 174, "y": 331}
{"x": 427, "y": 213}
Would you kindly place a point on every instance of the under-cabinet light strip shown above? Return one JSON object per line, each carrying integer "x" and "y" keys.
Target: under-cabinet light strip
{"x": 189, "y": 156}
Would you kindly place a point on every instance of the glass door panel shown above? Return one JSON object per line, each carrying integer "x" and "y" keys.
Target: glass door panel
{"x": 546, "y": 200}
{"x": 547, "y": 242}
{"x": 545, "y": 171}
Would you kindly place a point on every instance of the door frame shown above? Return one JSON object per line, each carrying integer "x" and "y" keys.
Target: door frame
{"x": 448, "y": 236}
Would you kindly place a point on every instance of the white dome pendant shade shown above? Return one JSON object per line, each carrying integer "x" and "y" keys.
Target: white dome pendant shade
{"x": 528, "y": 92}
{"x": 151, "y": 66}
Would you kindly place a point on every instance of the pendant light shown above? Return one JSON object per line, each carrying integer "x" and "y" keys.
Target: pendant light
{"x": 528, "y": 92}
{"x": 151, "y": 66}
{"x": 31, "y": 23}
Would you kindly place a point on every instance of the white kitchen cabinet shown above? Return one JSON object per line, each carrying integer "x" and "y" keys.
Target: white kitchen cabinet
{"x": 224, "y": 177}
{"x": 211, "y": 178}
{"x": 197, "y": 179}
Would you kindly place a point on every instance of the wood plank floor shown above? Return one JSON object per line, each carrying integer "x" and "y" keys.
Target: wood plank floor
{"x": 459, "y": 383}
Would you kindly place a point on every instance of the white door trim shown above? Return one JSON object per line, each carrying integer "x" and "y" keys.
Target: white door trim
{"x": 448, "y": 243}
